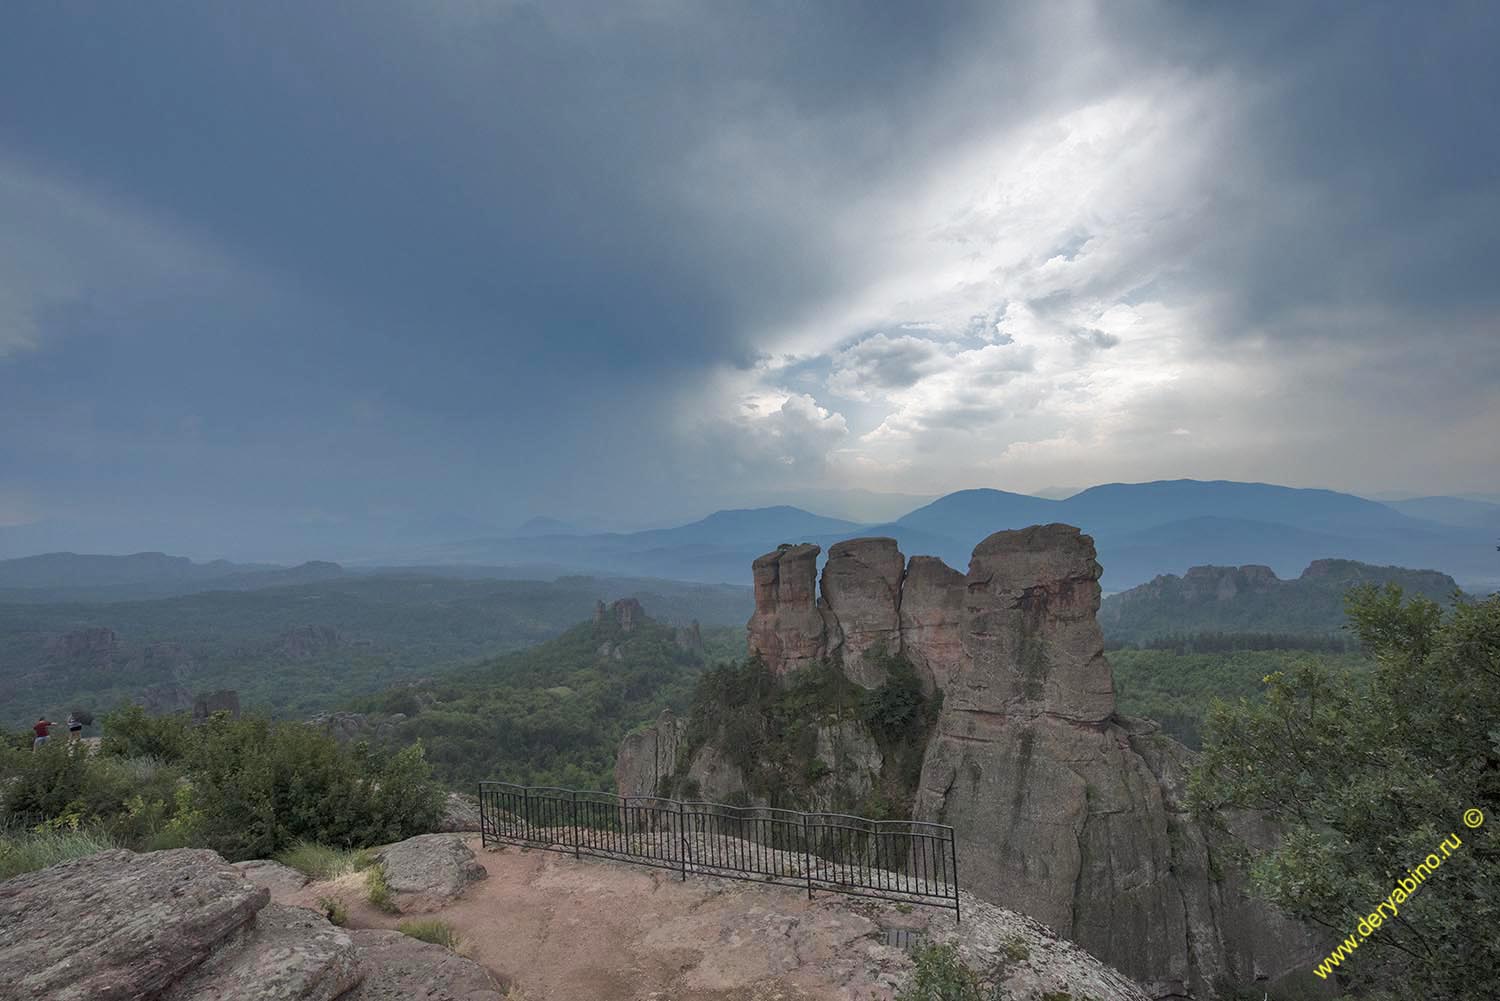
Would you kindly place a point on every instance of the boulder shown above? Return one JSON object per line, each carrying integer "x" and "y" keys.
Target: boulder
{"x": 460, "y": 814}
{"x": 400, "y": 968}
{"x": 288, "y": 954}
{"x": 272, "y": 875}
{"x": 862, "y": 601}
{"x": 788, "y": 630}
{"x": 118, "y": 925}
{"x": 429, "y": 870}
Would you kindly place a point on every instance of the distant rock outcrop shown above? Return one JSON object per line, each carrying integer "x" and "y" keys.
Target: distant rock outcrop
{"x": 305, "y": 642}
{"x": 184, "y": 925}
{"x": 93, "y": 648}
{"x": 1062, "y": 809}
{"x": 689, "y": 639}
{"x": 1252, "y": 599}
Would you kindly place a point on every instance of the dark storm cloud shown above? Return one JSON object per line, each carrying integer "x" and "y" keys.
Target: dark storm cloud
{"x": 353, "y": 264}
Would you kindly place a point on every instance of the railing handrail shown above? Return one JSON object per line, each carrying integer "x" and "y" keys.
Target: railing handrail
{"x": 918, "y": 863}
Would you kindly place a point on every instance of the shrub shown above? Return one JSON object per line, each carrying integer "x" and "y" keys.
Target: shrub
{"x": 430, "y": 930}
{"x": 378, "y": 891}
{"x": 334, "y": 910}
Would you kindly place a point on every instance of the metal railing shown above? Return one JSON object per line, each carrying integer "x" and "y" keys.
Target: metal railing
{"x": 908, "y": 861}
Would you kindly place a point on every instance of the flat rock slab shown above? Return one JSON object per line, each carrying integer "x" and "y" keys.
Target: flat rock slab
{"x": 287, "y": 954}
{"x": 272, "y": 875}
{"x": 401, "y": 968}
{"x": 118, "y": 925}
{"x": 429, "y": 870}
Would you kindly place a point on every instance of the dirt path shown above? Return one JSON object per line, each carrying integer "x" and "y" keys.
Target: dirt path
{"x": 562, "y": 929}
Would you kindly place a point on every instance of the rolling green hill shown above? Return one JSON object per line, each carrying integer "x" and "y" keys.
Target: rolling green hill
{"x": 293, "y": 650}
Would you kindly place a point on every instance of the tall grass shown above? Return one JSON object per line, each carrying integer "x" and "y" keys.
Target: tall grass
{"x": 322, "y": 862}
{"x": 28, "y": 851}
{"x": 430, "y": 930}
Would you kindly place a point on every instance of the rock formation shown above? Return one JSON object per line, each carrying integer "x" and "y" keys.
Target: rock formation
{"x": 689, "y": 639}
{"x": 788, "y": 629}
{"x": 647, "y": 755}
{"x": 183, "y": 925}
{"x": 1062, "y": 809}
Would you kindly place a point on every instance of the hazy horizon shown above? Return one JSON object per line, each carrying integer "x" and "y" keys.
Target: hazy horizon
{"x": 290, "y": 282}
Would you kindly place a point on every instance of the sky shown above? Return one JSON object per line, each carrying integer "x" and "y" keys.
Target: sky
{"x": 287, "y": 279}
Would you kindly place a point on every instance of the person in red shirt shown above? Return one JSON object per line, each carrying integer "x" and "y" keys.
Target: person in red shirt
{"x": 41, "y": 727}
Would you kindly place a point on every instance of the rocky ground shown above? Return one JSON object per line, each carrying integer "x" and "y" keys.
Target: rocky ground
{"x": 533, "y": 925}
{"x": 559, "y": 928}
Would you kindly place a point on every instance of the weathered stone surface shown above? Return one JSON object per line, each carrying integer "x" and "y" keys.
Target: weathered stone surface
{"x": 118, "y": 925}
{"x": 401, "y": 968}
{"x": 1057, "y": 811}
{"x": 787, "y": 631}
{"x": 429, "y": 870}
{"x": 853, "y": 761}
{"x": 932, "y": 607}
{"x": 715, "y": 778}
{"x": 460, "y": 814}
{"x": 272, "y": 875}
{"x": 285, "y": 954}
{"x": 1029, "y": 630}
{"x": 647, "y": 755}
{"x": 862, "y": 603}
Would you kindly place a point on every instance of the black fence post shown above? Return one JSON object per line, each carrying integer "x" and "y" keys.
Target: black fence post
{"x": 807, "y": 851}
{"x": 577, "y": 833}
{"x": 484, "y": 828}
{"x": 682, "y": 847}
{"x": 958, "y": 918}
{"x": 526, "y": 810}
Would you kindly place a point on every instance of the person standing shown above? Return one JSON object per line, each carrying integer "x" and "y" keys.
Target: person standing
{"x": 75, "y": 729}
{"x": 42, "y": 726}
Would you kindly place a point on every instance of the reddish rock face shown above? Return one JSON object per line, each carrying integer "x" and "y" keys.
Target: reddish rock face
{"x": 787, "y": 630}
{"x": 932, "y": 605}
{"x": 862, "y": 603}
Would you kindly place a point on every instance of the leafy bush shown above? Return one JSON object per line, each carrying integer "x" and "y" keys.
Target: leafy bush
{"x": 942, "y": 975}
{"x": 246, "y": 788}
{"x": 430, "y": 930}
{"x": 1364, "y": 777}
{"x": 28, "y": 851}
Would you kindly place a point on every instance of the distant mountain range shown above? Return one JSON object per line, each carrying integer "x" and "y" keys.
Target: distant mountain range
{"x": 1142, "y": 530}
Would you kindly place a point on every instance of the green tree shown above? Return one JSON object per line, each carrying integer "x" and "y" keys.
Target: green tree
{"x": 1365, "y": 777}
